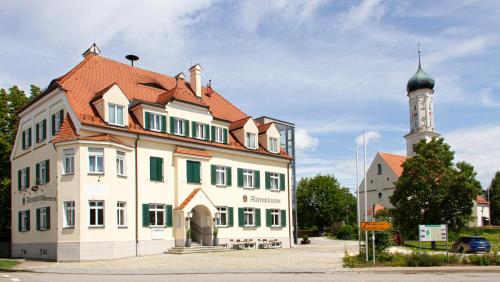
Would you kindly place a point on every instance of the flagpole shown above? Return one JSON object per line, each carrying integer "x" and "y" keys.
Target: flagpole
{"x": 366, "y": 198}
{"x": 357, "y": 198}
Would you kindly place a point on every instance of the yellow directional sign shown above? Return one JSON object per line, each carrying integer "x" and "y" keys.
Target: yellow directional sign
{"x": 375, "y": 226}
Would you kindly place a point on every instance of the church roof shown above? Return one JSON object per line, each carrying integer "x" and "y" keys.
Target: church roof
{"x": 420, "y": 80}
{"x": 395, "y": 162}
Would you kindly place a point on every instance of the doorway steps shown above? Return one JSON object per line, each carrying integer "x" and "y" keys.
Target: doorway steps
{"x": 196, "y": 249}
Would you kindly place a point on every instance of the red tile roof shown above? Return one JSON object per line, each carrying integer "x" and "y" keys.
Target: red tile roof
{"x": 395, "y": 162}
{"x": 67, "y": 131}
{"x": 193, "y": 152}
{"x": 188, "y": 199}
{"x": 264, "y": 127}
{"x": 481, "y": 200}
{"x": 237, "y": 124}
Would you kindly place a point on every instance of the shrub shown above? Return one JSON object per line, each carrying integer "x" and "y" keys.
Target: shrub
{"x": 425, "y": 259}
{"x": 305, "y": 238}
{"x": 491, "y": 258}
{"x": 347, "y": 232}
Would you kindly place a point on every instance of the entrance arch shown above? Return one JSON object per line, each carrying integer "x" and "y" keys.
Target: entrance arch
{"x": 201, "y": 225}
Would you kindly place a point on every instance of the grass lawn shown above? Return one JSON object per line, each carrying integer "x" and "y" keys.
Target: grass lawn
{"x": 8, "y": 263}
{"x": 493, "y": 237}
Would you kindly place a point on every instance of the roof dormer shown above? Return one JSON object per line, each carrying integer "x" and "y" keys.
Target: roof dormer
{"x": 269, "y": 137}
{"x": 112, "y": 105}
{"x": 246, "y": 132}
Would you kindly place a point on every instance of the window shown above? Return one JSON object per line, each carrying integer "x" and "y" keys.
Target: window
{"x": 68, "y": 161}
{"x": 274, "y": 181}
{"x": 43, "y": 214}
{"x": 179, "y": 128}
{"x": 42, "y": 172}
{"x": 24, "y": 178}
{"x": 96, "y": 160}
{"x": 249, "y": 214}
{"x": 222, "y": 219}
{"x": 155, "y": 122}
{"x": 273, "y": 145}
{"x": 57, "y": 120}
{"x": 24, "y": 221}
{"x": 250, "y": 141}
{"x": 69, "y": 214}
{"x": 96, "y": 216}
{"x": 248, "y": 179}
{"x": 200, "y": 131}
{"x": 115, "y": 114}
{"x": 41, "y": 131}
{"x": 275, "y": 218}
{"x": 380, "y": 195}
{"x": 219, "y": 134}
{"x": 121, "y": 214}
{"x": 193, "y": 172}
{"x": 156, "y": 215}
{"x": 221, "y": 176}
{"x": 155, "y": 169}
{"x": 26, "y": 138}
{"x": 379, "y": 169}
{"x": 120, "y": 163}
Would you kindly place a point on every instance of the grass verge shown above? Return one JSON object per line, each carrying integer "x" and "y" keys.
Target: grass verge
{"x": 8, "y": 263}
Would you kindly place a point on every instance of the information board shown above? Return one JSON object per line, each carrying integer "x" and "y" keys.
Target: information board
{"x": 432, "y": 232}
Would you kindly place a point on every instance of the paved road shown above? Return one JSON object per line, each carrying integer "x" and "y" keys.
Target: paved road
{"x": 333, "y": 276}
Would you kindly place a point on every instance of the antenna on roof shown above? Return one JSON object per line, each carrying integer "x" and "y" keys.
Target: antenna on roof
{"x": 132, "y": 58}
{"x": 419, "y": 50}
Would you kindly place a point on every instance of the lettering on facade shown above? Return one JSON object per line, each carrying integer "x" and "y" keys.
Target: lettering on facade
{"x": 38, "y": 199}
{"x": 268, "y": 200}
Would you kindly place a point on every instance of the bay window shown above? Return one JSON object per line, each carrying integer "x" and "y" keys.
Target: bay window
{"x": 96, "y": 160}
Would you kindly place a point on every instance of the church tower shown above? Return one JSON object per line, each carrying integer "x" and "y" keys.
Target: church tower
{"x": 420, "y": 91}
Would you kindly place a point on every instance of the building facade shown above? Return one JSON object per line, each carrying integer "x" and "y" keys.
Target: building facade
{"x": 115, "y": 161}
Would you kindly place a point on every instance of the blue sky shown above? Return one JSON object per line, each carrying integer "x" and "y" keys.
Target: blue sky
{"x": 335, "y": 68}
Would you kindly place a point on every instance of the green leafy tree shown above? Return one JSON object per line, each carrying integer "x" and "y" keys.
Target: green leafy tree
{"x": 434, "y": 190}
{"x": 35, "y": 91}
{"x": 494, "y": 199}
{"x": 321, "y": 201}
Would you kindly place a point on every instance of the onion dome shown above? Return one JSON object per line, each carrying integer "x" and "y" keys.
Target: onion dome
{"x": 420, "y": 80}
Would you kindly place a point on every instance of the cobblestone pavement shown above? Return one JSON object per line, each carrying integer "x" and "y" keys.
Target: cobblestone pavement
{"x": 322, "y": 255}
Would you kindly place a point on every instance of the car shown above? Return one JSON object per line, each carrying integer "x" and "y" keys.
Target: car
{"x": 471, "y": 244}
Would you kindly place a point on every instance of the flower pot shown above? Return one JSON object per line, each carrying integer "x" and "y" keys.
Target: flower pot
{"x": 216, "y": 242}
{"x": 188, "y": 243}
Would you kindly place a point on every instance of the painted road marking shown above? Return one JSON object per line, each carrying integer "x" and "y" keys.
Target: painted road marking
{"x": 14, "y": 279}
{"x": 5, "y": 276}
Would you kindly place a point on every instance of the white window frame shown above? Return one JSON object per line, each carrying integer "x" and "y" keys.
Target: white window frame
{"x": 154, "y": 121}
{"x": 200, "y": 131}
{"x": 24, "y": 221}
{"x": 24, "y": 173}
{"x": 58, "y": 121}
{"x": 114, "y": 119}
{"x": 275, "y": 218}
{"x": 40, "y": 132}
{"x": 220, "y": 175}
{"x": 121, "y": 163}
{"x": 274, "y": 181}
{"x": 251, "y": 142}
{"x": 98, "y": 206}
{"x": 157, "y": 208}
{"x": 42, "y": 171}
{"x": 223, "y": 214}
{"x": 179, "y": 128}
{"x": 219, "y": 134}
{"x": 43, "y": 219}
{"x": 69, "y": 214}
{"x": 248, "y": 178}
{"x": 273, "y": 145}
{"x": 96, "y": 153}
{"x": 248, "y": 217}
{"x": 68, "y": 161}
{"x": 121, "y": 214}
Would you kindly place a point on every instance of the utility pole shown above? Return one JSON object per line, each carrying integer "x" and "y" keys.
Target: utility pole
{"x": 366, "y": 196}
{"x": 357, "y": 198}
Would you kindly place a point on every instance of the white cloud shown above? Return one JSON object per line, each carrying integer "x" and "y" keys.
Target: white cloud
{"x": 487, "y": 100}
{"x": 304, "y": 141}
{"x": 369, "y": 136}
{"x": 362, "y": 13}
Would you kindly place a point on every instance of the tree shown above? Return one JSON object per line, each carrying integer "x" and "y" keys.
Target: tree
{"x": 434, "y": 190}
{"x": 35, "y": 91}
{"x": 321, "y": 201}
{"x": 494, "y": 199}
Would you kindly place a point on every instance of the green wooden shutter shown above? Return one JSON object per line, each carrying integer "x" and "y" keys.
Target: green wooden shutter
{"x": 44, "y": 129}
{"x": 19, "y": 180}
{"x": 145, "y": 215}
{"x": 37, "y": 174}
{"x": 207, "y": 132}
{"x": 269, "y": 218}
{"x": 172, "y": 125}
{"x": 256, "y": 175}
{"x": 153, "y": 170}
{"x": 186, "y": 128}
{"x": 213, "y": 169}
{"x": 241, "y": 217}
{"x": 189, "y": 172}
{"x": 163, "y": 127}
{"x": 28, "y": 220}
{"x": 147, "y": 120}
{"x": 197, "y": 172}
{"x": 168, "y": 212}
{"x": 19, "y": 220}
{"x": 193, "y": 172}
{"x": 240, "y": 177}
{"x": 37, "y": 132}
{"x": 283, "y": 218}
{"x": 47, "y": 171}
{"x": 212, "y": 133}
{"x": 159, "y": 167}
{"x": 194, "y": 129}
{"x": 257, "y": 217}
{"x": 24, "y": 139}
{"x": 29, "y": 137}
{"x": 282, "y": 182}
{"x": 225, "y": 135}
{"x": 47, "y": 212}
{"x": 268, "y": 180}
{"x": 53, "y": 124}
{"x": 28, "y": 183}
{"x": 61, "y": 118}
{"x": 38, "y": 220}
{"x": 229, "y": 176}
{"x": 231, "y": 217}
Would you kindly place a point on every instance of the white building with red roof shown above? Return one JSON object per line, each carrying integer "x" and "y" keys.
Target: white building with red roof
{"x": 115, "y": 161}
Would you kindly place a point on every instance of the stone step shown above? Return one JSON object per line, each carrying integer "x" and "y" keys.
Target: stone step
{"x": 196, "y": 249}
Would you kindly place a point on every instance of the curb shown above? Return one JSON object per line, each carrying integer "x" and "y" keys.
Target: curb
{"x": 435, "y": 269}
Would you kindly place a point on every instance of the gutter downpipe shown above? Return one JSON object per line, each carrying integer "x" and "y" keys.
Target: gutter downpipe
{"x": 136, "y": 198}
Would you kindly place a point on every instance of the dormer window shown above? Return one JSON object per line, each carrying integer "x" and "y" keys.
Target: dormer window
{"x": 219, "y": 134}
{"x": 273, "y": 145}
{"x": 155, "y": 122}
{"x": 115, "y": 115}
{"x": 251, "y": 140}
{"x": 179, "y": 128}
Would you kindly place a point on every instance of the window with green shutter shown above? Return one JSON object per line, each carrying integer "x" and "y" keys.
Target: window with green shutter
{"x": 186, "y": 128}
{"x": 156, "y": 169}
{"x": 225, "y": 136}
{"x": 145, "y": 215}
{"x": 147, "y": 120}
{"x": 257, "y": 217}
{"x": 257, "y": 179}
{"x": 268, "y": 180}
{"x": 282, "y": 182}
{"x": 269, "y": 219}
{"x": 230, "y": 216}
{"x": 207, "y": 132}
{"x": 213, "y": 174}
{"x": 37, "y": 133}
{"x": 193, "y": 172}
{"x": 229, "y": 176}
{"x": 163, "y": 127}
{"x": 283, "y": 218}
{"x": 241, "y": 217}
{"x": 168, "y": 213}
{"x": 172, "y": 125}
{"x": 240, "y": 177}
{"x": 212, "y": 133}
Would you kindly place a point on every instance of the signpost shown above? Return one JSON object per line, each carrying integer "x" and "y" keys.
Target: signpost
{"x": 433, "y": 232}
{"x": 374, "y": 226}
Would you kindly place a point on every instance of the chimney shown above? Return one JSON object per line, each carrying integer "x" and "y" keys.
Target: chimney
{"x": 180, "y": 76}
{"x": 195, "y": 76}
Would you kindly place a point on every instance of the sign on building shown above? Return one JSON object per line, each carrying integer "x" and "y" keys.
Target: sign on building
{"x": 432, "y": 232}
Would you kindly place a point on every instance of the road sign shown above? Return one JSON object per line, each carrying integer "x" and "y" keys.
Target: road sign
{"x": 375, "y": 226}
{"x": 432, "y": 232}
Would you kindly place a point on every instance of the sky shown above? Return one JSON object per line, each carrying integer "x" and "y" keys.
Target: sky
{"x": 334, "y": 68}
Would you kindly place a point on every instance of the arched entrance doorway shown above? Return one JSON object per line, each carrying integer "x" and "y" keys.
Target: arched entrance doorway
{"x": 201, "y": 225}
